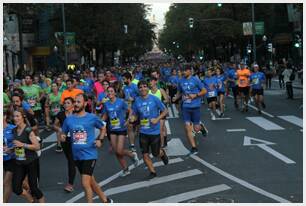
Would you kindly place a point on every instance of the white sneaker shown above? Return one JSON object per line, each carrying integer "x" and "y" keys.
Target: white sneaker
{"x": 213, "y": 117}
{"x": 125, "y": 172}
{"x": 135, "y": 159}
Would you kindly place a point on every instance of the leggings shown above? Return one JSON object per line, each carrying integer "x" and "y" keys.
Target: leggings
{"x": 20, "y": 173}
{"x": 71, "y": 166}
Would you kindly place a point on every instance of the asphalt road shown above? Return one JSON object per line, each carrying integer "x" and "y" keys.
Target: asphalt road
{"x": 246, "y": 158}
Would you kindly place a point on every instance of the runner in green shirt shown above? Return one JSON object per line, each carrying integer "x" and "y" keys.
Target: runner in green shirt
{"x": 52, "y": 105}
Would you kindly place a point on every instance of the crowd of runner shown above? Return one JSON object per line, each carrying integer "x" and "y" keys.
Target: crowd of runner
{"x": 123, "y": 103}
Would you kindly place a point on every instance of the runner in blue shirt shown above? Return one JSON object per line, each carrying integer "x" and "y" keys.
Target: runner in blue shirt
{"x": 130, "y": 91}
{"x": 102, "y": 97}
{"x": 257, "y": 80}
{"x": 233, "y": 82}
{"x": 221, "y": 78}
{"x": 149, "y": 110}
{"x": 8, "y": 157}
{"x": 211, "y": 85}
{"x": 191, "y": 90}
{"x": 116, "y": 111}
{"x": 81, "y": 127}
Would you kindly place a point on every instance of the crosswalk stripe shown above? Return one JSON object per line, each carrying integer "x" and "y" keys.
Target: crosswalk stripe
{"x": 193, "y": 194}
{"x": 170, "y": 112}
{"x": 168, "y": 127}
{"x": 264, "y": 123}
{"x": 155, "y": 181}
{"x": 293, "y": 119}
{"x": 222, "y": 118}
{"x": 175, "y": 112}
{"x": 236, "y": 130}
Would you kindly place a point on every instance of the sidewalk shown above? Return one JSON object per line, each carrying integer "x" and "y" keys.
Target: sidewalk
{"x": 296, "y": 84}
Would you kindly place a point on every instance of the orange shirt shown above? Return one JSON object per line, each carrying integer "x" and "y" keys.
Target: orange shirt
{"x": 243, "y": 77}
{"x": 66, "y": 93}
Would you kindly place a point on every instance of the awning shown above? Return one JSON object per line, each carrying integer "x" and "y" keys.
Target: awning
{"x": 40, "y": 51}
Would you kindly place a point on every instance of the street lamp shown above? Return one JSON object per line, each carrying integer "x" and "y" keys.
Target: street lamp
{"x": 264, "y": 39}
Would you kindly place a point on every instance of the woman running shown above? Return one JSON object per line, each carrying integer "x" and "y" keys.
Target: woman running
{"x": 115, "y": 110}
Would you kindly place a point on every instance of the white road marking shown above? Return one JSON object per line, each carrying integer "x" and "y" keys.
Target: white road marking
{"x": 264, "y": 123}
{"x": 236, "y": 130}
{"x": 293, "y": 119}
{"x": 176, "y": 148}
{"x": 176, "y": 113}
{"x": 117, "y": 175}
{"x": 170, "y": 113}
{"x": 168, "y": 127}
{"x": 50, "y": 146}
{"x": 263, "y": 145}
{"x": 222, "y": 118}
{"x": 154, "y": 181}
{"x": 51, "y": 138}
{"x": 251, "y": 106}
{"x": 193, "y": 194}
{"x": 240, "y": 181}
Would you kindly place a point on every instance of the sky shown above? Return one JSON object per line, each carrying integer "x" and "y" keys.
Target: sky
{"x": 159, "y": 10}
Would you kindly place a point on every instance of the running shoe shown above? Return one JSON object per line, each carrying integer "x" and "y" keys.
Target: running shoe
{"x": 58, "y": 148}
{"x": 164, "y": 158}
{"x": 204, "y": 130}
{"x": 109, "y": 200}
{"x": 221, "y": 114}
{"x": 68, "y": 188}
{"x": 263, "y": 105}
{"x": 193, "y": 151}
{"x": 132, "y": 148}
{"x": 135, "y": 159}
{"x": 152, "y": 175}
{"x": 125, "y": 172}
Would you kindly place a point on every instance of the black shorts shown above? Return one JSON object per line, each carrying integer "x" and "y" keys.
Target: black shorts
{"x": 235, "y": 90}
{"x": 85, "y": 167}
{"x": 147, "y": 142}
{"x": 257, "y": 91}
{"x": 9, "y": 165}
{"x": 211, "y": 99}
{"x": 219, "y": 93}
{"x": 244, "y": 90}
{"x": 124, "y": 133}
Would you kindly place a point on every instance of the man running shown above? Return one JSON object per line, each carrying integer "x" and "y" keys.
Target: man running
{"x": 81, "y": 127}
{"x": 149, "y": 110}
{"x": 243, "y": 75}
{"x": 257, "y": 81}
{"x": 191, "y": 89}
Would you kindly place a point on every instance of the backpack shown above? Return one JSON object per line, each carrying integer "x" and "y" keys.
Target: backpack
{"x": 292, "y": 76}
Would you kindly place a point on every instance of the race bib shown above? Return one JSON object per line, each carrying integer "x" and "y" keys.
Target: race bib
{"x": 104, "y": 100}
{"x": 145, "y": 123}
{"x": 242, "y": 81}
{"x": 80, "y": 137}
{"x": 211, "y": 94}
{"x": 20, "y": 153}
{"x": 115, "y": 123}
{"x": 255, "y": 81}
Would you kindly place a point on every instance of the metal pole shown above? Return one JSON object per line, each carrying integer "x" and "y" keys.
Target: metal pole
{"x": 64, "y": 31}
{"x": 253, "y": 32}
{"x": 6, "y": 62}
{"x": 20, "y": 42}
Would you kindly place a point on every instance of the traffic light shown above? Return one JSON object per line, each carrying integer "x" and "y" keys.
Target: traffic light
{"x": 297, "y": 41}
{"x": 125, "y": 28}
{"x": 270, "y": 47}
{"x": 219, "y": 5}
{"x": 190, "y": 22}
{"x": 249, "y": 48}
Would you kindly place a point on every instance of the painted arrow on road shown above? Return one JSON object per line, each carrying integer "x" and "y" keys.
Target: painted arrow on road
{"x": 263, "y": 145}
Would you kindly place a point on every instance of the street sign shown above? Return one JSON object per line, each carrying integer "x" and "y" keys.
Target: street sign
{"x": 260, "y": 28}
{"x": 70, "y": 37}
{"x": 247, "y": 28}
{"x": 264, "y": 145}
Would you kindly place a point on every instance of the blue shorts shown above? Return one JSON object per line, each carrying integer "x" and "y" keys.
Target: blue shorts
{"x": 191, "y": 115}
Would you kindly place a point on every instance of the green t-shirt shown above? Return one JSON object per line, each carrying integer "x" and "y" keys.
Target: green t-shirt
{"x": 47, "y": 90}
{"x": 6, "y": 101}
{"x": 31, "y": 94}
{"x": 63, "y": 87}
{"x": 55, "y": 106}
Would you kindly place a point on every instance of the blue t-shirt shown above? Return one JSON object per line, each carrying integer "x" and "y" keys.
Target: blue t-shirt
{"x": 82, "y": 132}
{"x": 90, "y": 83}
{"x": 211, "y": 85}
{"x": 221, "y": 86}
{"x": 193, "y": 85}
{"x": 116, "y": 113}
{"x": 174, "y": 80}
{"x": 257, "y": 79}
{"x": 84, "y": 88}
{"x": 8, "y": 138}
{"x": 138, "y": 76}
{"x": 130, "y": 91}
{"x": 166, "y": 73}
{"x": 26, "y": 106}
{"x": 146, "y": 109}
{"x": 232, "y": 75}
